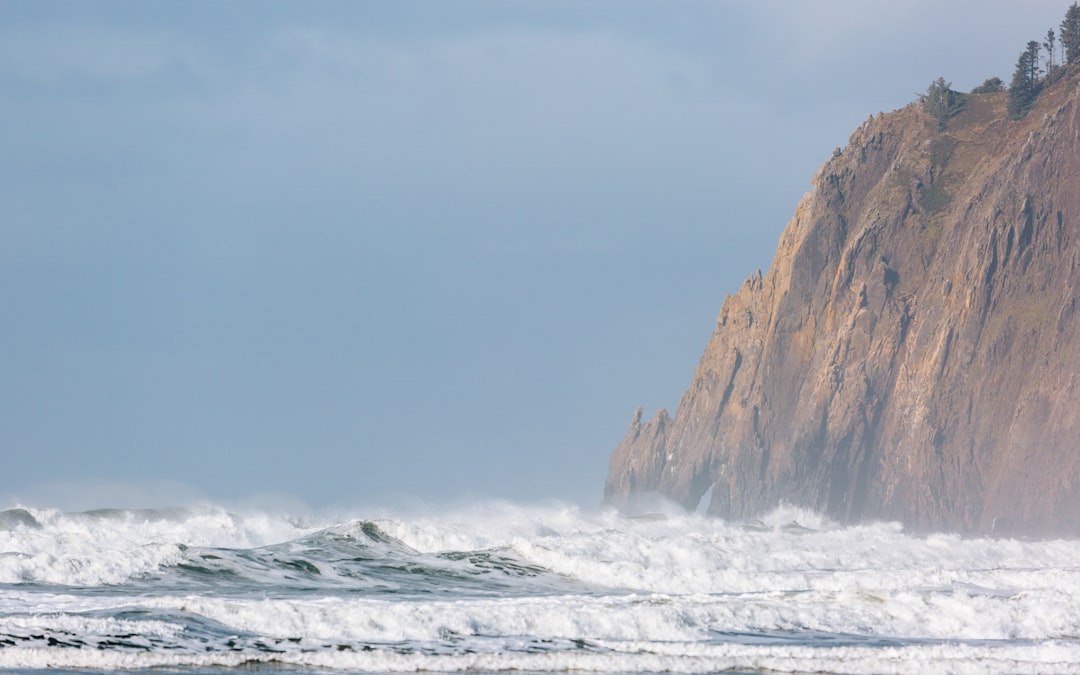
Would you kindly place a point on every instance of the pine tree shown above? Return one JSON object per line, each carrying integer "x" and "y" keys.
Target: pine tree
{"x": 1033, "y": 49}
{"x": 1024, "y": 84}
{"x": 1070, "y": 34}
{"x": 939, "y": 101}
{"x": 1049, "y": 45}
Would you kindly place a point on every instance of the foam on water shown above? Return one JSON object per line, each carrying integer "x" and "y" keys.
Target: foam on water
{"x": 503, "y": 587}
{"x": 1045, "y": 659}
{"x": 111, "y": 546}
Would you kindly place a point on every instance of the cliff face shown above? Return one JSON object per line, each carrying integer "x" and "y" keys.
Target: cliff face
{"x": 913, "y": 352}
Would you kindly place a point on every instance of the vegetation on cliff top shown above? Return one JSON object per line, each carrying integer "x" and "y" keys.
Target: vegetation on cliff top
{"x": 1031, "y": 75}
{"x": 941, "y": 102}
{"x": 1040, "y": 64}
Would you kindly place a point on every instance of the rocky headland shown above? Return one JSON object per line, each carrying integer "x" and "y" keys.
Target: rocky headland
{"x": 913, "y": 352}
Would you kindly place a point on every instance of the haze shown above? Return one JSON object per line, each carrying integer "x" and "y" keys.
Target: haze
{"x": 353, "y": 252}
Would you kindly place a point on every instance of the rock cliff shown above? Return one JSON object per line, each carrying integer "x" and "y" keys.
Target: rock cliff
{"x": 913, "y": 352}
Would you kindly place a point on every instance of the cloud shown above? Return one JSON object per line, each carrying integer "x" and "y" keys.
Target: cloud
{"x": 878, "y": 45}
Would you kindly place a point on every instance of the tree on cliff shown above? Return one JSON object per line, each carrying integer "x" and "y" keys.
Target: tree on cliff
{"x": 940, "y": 101}
{"x": 1070, "y": 34}
{"x": 1025, "y": 82}
{"x": 1033, "y": 49}
{"x": 990, "y": 86}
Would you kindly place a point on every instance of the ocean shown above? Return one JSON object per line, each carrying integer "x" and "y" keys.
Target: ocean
{"x": 498, "y": 587}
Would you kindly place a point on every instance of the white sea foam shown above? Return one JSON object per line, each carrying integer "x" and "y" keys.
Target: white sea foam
{"x": 500, "y": 587}
{"x": 112, "y": 546}
{"x": 957, "y": 614}
{"x": 1043, "y": 659}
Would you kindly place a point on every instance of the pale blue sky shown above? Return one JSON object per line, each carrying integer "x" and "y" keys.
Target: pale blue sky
{"x": 351, "y": 252}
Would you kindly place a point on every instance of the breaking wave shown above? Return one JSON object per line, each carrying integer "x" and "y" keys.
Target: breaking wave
{"x": 497, "y": 587}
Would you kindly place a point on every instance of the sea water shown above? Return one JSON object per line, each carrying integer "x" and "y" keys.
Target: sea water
{"x": 498, "y": 587}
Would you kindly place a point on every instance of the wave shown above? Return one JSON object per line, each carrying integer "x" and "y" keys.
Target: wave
{"x": 114, "y": 546}
{"x": 572, "y": 633}
{"x": 498, "y": 586}
{"x": 358, "y": 556}
{"x": 215, "y": 549}
{"x": 560, "y": 544}
{"x": 1043, "y": 659}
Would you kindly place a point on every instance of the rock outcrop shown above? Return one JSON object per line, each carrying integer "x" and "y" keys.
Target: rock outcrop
{"x": 913, "y": 352}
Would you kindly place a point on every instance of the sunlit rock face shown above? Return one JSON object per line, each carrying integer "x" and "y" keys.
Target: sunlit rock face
{"x": 913, "y": 352}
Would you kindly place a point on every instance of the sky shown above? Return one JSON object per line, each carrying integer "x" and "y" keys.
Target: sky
{"x": 355, "y": 253}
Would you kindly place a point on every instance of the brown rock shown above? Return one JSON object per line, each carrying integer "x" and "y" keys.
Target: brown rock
{"x": 913, "y": 353}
